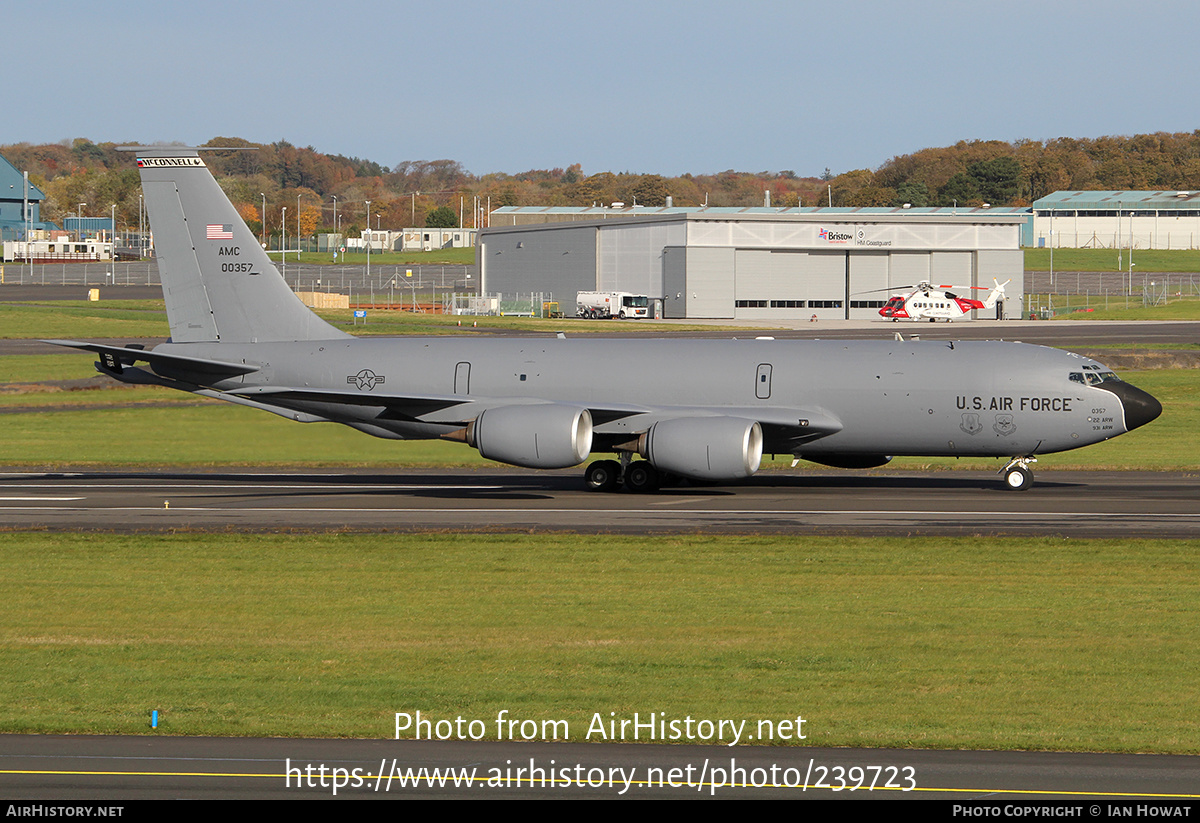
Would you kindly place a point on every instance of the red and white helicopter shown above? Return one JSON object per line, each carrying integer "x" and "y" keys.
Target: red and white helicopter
{"x": 925, "y": 302}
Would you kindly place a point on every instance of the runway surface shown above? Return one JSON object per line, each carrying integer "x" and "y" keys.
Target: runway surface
{"x": 50, "y": 767}
{"x": 1076, "y": 504}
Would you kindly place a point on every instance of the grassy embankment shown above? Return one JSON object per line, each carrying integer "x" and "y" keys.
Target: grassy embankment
{"x": 998, "y": 644}
{"x": 81, "y": 319}
{"x": 1157, "y": 260}
{"x": 1182, "y": 300}
{"x": 449, "y": 257}
{"x": 1117, "y": 307}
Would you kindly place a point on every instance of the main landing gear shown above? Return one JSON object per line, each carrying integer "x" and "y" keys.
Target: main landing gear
{"x": 1017, "y": 476}
{"x": 639, "y": 476}
{"x": 603, "y": 476}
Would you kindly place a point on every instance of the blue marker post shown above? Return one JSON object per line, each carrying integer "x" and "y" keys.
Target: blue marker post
{"x": 154, "y": 719}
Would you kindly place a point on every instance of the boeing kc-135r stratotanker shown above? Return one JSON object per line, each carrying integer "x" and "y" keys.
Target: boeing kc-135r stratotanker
{"x": 700, "y": 409}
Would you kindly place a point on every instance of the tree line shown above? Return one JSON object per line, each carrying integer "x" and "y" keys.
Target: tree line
{"x": 309, "y": 183}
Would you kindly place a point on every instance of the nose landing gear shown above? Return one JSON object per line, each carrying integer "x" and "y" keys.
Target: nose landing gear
{"x": 1017, "y": 476}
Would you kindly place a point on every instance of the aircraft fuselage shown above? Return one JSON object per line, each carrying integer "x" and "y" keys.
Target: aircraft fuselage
{"x": 861, "y": 397}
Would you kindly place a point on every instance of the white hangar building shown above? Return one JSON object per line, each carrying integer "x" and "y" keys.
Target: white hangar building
{"x": 753, "y": 263}
{"x": 1118, "y": 220}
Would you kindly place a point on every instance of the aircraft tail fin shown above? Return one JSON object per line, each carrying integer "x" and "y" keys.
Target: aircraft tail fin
{"x": 995, "y": 294}
{"x": 218, "y": 282}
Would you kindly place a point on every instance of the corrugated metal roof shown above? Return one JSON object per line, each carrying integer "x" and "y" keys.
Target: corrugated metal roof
{"x": 836, "y": 210}
{"x": 12, "y": 185}
{"x": 1112, "y": 200}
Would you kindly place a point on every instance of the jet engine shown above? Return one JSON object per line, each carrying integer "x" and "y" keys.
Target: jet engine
{"x": 705, "y": 448}
{"x": 542, "y": 436}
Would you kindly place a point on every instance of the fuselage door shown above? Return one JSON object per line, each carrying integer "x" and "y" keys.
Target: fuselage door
{"x": 462, "y": 378}
{"x": 762, "y": 382}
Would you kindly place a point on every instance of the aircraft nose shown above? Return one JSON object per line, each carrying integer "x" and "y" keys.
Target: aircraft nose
{"x": 1140, "y": 406}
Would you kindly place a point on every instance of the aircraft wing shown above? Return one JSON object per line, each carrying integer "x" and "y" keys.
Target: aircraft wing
{"x": 399, "y": 406}
{"x": 791, "y": 424}
{"x": 784, "y": 427}
{"x": 114, "y": 357}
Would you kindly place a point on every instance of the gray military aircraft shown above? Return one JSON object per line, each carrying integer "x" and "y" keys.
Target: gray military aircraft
{"x": 700, "y": 409}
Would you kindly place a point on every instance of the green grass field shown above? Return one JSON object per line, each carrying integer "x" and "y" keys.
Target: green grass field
{"x": 940, "y": 643}
{"x": 449, "y": 257}
{"x": 1076, "y": 308}
{"x": 1179, "y": 260}
{"x": 75, "y": 319}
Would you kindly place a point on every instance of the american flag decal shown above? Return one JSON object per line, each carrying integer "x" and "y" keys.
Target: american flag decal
{"x": 216, "y": 231}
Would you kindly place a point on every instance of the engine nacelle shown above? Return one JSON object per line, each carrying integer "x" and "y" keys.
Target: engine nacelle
{"x": 705, "y": 448}
{"x": 541, "y": 436}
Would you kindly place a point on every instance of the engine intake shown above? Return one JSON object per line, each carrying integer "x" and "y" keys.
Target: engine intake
{"x": 542, "y": 436}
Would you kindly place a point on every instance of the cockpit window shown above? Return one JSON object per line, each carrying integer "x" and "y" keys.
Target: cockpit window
{"x": 1093, "y": 378}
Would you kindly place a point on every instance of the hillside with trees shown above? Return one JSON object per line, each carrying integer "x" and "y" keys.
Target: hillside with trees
{"x": 437, "y": 192}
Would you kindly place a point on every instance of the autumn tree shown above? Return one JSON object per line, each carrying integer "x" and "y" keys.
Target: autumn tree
{"x": 998, "y": 180}
{"x": 960, "y": 190}
{"x": 252, "y": 217}
{"x": 443, "y": 217}
{"x": 914, "y": 194}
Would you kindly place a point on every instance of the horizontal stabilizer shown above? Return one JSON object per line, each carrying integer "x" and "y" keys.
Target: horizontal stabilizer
{"x": 113, "y": 357}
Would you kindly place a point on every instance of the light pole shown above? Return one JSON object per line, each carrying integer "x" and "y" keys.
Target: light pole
{"x": 1120, "y": 239}
{"x": 79, "y": 217}
{"x": 297, "y": 228}
{"x": 283, "y": 240}
{"x": 335, "y": 222}
{"x": 1132, "y": 264}
{"x": 262, "y": 235}
{"x": 1051, "y": 248}
{"x": 368, "y": 241}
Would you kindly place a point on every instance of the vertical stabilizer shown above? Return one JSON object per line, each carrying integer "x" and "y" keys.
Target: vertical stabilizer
{"x": 218, "y": 282}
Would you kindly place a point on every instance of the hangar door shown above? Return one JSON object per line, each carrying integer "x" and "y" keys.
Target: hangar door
{"x": 908, "y": 269}
{"x": 955, "y": 269}
{"x": 869, "y": 286}
{"x": 826, "y": 275}
{"x": 786, "y": 283}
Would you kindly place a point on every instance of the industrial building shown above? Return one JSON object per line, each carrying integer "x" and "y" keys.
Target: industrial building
{"x": 20, "y": 205}
{"x": 410, "y": 239}
{"x": 1118, "y": 220}
{"x": 753, "y": 263}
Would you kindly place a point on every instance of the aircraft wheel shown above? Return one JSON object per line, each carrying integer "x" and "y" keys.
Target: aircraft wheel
{"x": 641, "y": 477}
{"x": 1018, "y": 479}
{"x": 603, "y": 476}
